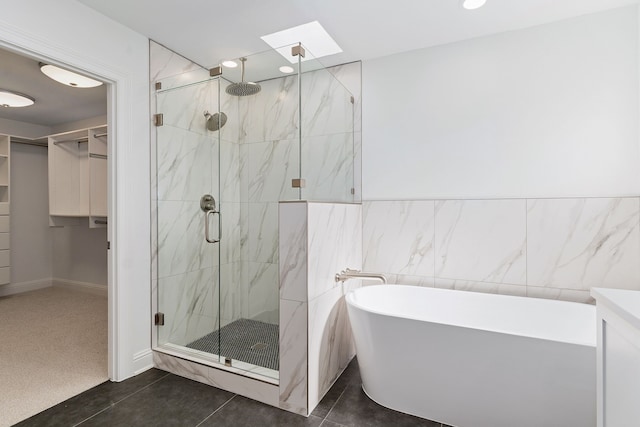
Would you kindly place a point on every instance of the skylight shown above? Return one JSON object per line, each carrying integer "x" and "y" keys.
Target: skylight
{"x": 312, "y": 36}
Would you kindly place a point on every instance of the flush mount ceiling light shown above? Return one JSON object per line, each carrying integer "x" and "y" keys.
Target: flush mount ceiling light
{"x": 312, "y": 36}
{"x": 230, "y": 64}
{"x": 286, "y": 69}
{"x": 67, "y": 77}
{"x": 10, "y": 98}
{"x": 473, "y": 4}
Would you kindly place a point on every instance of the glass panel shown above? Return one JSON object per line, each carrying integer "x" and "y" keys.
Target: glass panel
{"x": 259, "y": 159}
{"x": 327, "y": 150}
{"x": 188, "y": 266}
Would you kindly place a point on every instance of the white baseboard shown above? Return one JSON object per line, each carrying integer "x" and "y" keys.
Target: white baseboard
{"x": 142, "y": 361}
{"x": 18, "y": 288}
{"x": 91, "y": 288}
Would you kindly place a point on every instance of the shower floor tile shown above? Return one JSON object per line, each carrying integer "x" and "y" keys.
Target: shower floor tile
{"x": 246, "y": 340}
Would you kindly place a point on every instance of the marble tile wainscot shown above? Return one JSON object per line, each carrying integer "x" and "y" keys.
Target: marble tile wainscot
{"x": 546, "y": 248}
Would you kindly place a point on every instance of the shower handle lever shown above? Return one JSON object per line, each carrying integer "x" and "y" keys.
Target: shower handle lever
{"x": 208, "y": 205}
{"x": 206, "y": 227}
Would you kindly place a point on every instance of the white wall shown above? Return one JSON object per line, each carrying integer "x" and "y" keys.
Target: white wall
{"x": 549, "y": 111}
{"x": 67, "y": 32}
{"x": 22, "y": 129}
{"x": 80, "y": 254}
{"x": 80, "y": 124}
{"x": 507, "y": 164}
{"x": 31, "y": 236}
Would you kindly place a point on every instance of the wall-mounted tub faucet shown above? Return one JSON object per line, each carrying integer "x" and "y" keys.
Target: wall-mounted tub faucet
{"x": 348, "y": 273}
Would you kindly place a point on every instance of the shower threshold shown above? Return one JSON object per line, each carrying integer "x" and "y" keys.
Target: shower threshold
{"x": 239, "y": 367}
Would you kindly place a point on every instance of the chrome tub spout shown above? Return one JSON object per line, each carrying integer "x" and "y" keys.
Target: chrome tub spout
{"x": 348, "y": 273}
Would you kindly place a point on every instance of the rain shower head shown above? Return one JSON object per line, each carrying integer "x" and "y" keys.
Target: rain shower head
{"x": 243, "y": 88}
{"x": 215, "y": 121}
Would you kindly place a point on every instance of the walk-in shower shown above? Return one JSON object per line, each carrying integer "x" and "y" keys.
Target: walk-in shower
{"x": 235, "y": 142}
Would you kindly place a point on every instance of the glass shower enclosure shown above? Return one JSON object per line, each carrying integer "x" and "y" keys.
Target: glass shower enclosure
{"x": 234, "y": 142}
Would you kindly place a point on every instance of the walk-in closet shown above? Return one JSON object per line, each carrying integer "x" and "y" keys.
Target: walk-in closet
{"x": 54, "y": 144}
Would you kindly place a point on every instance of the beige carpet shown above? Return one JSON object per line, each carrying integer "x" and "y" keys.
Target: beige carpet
{"x": 53, "y": 345}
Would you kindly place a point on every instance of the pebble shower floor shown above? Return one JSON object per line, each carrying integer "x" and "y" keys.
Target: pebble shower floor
{"x": 246, "y": 340}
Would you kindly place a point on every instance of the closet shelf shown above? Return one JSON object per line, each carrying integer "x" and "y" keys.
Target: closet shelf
{"x": 77, "y": 176}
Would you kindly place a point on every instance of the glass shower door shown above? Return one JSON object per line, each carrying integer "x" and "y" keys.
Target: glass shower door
{"x": 188, "y": 225}
{"x": 259, "y": 152}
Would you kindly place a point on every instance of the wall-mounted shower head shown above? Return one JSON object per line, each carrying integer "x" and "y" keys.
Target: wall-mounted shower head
{"x": 215, "y": 121}
{"x": 243, "y": 88}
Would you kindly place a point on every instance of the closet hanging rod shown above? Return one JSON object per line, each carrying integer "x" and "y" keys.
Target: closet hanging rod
{"x": 99, "y": 135}
{"x": 97, "y": 156}
{"x": 71, "y": 140}
{"x": 100, "y": 221}
{"x": 36, "y": 144}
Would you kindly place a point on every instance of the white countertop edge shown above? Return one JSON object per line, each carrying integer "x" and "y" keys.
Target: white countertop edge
{"x": 624, "y": 303}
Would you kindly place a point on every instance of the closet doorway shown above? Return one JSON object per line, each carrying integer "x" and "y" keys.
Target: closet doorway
{"x": 54, "y": 271}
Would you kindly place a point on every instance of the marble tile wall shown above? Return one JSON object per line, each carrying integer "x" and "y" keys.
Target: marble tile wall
{"x": 317, "y": 240}
{"x": 334, "y": 243}
{"x": 270, "y": 153}
{"x": 185, "y": 268}
{"x": 350, "y": 75}
{"x": 292, "y": 265}
{"x": 548, "y": 248}
{"x": 164, "y": 63}
{"x": 328, "y": 134}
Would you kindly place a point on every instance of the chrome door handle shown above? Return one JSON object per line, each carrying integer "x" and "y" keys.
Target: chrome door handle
{"x": 206, "y": 226}
{"x": 208, "y": 205}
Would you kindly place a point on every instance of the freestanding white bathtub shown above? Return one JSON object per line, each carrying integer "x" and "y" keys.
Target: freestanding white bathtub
{"x": 476, "y": 360}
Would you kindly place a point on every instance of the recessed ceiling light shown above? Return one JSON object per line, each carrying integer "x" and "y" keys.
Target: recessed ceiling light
{"x": 473, "y": 4}
{"x": 67, "y": 77}
{"x": 230, "y": 64}
{"x": 9, "y": 98}
{"x": 311, "y": 35}
{"x": 286, "y": 69}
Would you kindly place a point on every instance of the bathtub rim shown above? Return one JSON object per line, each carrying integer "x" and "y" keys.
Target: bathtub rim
{"x": 349, "y": 298}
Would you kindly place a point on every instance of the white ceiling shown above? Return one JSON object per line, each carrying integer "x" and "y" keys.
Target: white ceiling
{"x": 56, "y": 103}
{"x": 207, "y": 31}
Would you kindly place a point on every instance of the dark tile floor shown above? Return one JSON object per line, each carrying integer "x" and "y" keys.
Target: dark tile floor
{"x": 157, "y": 398}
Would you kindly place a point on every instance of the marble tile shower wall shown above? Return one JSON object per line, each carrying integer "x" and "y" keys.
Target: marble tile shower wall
{"x": 271, "y": 156}
{"x": 547, "y": 248}
{"x": 350, "y": 75}
{"x": 327, "y": 158}
{"x": 268, "y": 147}
{"x": 258, "y": 154}
{"x": 186, "y": 264}
{"x": 187, "y": 156}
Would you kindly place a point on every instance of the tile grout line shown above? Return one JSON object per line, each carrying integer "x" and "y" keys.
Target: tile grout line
{"x": 216, "y": 411}
{"x": 334, "y": 404}
{"x": 126, "y": 397}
